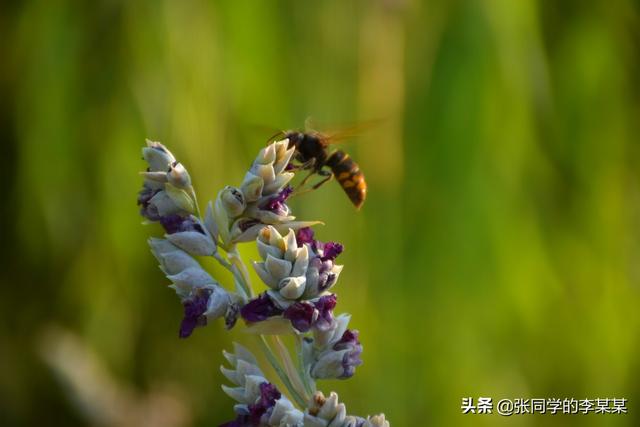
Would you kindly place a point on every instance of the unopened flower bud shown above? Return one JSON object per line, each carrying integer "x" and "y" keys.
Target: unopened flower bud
{"x": 233, "y": 201}
{"x": 203, "y": 305}
{"x": 278, "y": 182}
{"x": 188, "y": 279}
{"x": 180, "y": 198}
{"x": 245, "y": 230}
{"x": 269, "y": 166}
{"x": 163, "y": 204}
{"x": 219, "y": 301}
{"x": 325, "y": 338}
{"x": 283, "y": 155}
{"x": 265, "y": 172}
{"x": 277, "y": 268}
{"x": 341, "y": 360}
{"x": 193, "y": 242}
{"x": 323, "y": 272}
{"x": 157, "y": 156}
{"x": 376, "y": 421}
{"x": 292, "y": 287}
{"x": 267, "y": 155}
{"x": 155, "y": 177}
{"x": 147, "y": 209}
{"x": 178, "y": 176}
{"x": 284, "y": 266}
{"x": 329, "y": 366}
{"x": 173, "y": 260}
{"x": 252, "y": 187}
{"x": 260, "y": 402}
{"x": 285, "y": 414}
{"x": 325, "y": 411}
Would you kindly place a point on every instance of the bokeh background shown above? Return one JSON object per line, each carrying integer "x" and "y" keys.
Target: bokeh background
{"x": 498, "y": 253}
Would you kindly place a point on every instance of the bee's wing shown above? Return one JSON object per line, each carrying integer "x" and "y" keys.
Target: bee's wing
{"x": 349, "y": 131}
{"x": 310, "y": 124}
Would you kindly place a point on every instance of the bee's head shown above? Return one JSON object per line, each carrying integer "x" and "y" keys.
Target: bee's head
{"x": 295, "y": 138}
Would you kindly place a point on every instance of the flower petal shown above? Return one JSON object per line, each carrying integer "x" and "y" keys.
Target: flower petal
{"x": 292, "y": 287}
{"x": 265, "y": 276}
{"x": 292, "y": 246}
{"x": 278, "y": 268}
{"x": 265, "y": 249}
{"x": 301, "y": 262}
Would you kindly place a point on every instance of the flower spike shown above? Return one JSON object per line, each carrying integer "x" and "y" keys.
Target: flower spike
{"x": 299, "y": 273}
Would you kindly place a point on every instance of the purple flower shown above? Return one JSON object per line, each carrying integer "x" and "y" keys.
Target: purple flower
{"x": 327, "y": 251}
{"x": 351, "y": 358}
{"x": 193, "y": 312}
{"x": 259, "y": 309}
{"x": 340, "y": 359}
{"x": 177, "y": 223}
{"x": 269, "y": 394}
{"x": 302, "y": 315}
{"x": 148, "y": 210}
{"x": 326, "y": 278}
{"x": 322, "y": 261}
{"x": 305, "y": 235}
{"x": 321, "y": 275}
{"x": 325, "y": 306}
{"x": 348, "y": 340}
{"x": 331, "y": 251}
{"x": 277, "y": 203}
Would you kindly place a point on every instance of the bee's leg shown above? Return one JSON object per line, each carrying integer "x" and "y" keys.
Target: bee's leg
{"x": 305, "y": 179}
{"x": 313, "y": 171}
{"x": 303, "y": 166}
{"x": 309, "y": 164}
{"x": 328, "y": 176}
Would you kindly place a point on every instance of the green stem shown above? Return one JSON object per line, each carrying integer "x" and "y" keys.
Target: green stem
{"x": 290, "y": 368}
{"x": 242, "y": 275}
{"x": 281, "y": 373}
{"x": 302, "y": 369}
{"x": 222, "y": 261}
{"x": 240, "y": 283}
{"x": 237, "y": 262}
{"x": 192, "y": 193}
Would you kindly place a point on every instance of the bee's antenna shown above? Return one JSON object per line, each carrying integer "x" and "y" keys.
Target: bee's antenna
{"x": 272, "y": 137}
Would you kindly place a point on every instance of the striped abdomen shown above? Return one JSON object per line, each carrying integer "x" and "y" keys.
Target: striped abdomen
{"x": 349, "y": 176}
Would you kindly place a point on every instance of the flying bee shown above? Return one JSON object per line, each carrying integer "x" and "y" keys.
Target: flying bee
{"x": 313, "y": 154}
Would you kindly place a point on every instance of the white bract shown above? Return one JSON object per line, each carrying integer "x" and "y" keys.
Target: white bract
{"x": 329, "y": 412}
{"x": 247, "y": 379}
{"x": 284, "y": 265}
{"x": 240, "y": 213}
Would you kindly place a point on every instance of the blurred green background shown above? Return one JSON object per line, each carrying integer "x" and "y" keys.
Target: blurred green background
{"x": 498, "y": 253}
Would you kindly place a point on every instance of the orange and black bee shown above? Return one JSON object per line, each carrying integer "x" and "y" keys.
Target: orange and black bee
{"x": 312, "y": 153}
